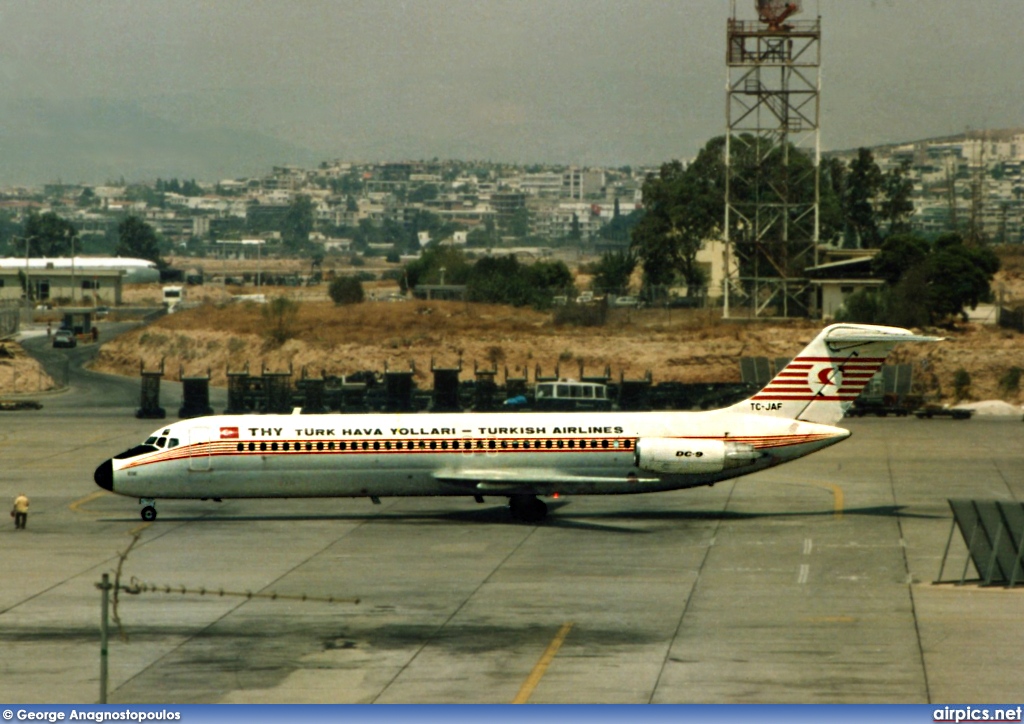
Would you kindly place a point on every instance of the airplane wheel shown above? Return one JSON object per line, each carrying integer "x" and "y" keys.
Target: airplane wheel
{"x": 149, "y": 513}
{"x": 527, "y": 508}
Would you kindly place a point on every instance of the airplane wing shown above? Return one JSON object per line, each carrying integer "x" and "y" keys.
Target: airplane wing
{"x": 533, "y": 481}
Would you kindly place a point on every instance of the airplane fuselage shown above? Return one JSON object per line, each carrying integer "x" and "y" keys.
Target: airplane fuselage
{"x": 453, "y": 454}
{"x": 521, "y": 455}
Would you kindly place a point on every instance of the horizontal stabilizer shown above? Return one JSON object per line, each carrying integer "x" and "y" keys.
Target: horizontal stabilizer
{"x": 861, "y": 334}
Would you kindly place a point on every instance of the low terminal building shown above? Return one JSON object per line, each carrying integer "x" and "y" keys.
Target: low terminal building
{"x": 97, "y": 286}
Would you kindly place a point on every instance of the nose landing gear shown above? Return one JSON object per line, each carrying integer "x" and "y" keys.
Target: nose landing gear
{"x": 148, "y": 512}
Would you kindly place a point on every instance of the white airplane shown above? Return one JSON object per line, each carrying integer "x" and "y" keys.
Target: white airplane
{"x": 137, "y": 271}
{"x": 518, "y": 455}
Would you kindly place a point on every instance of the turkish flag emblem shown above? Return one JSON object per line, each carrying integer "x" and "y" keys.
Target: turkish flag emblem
{"x": 229, "y": 433}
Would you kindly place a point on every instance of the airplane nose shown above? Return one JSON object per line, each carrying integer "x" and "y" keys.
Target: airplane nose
{"x": 104, "y": 475}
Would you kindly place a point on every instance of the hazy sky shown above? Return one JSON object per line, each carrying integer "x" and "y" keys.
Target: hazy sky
{"x": 226, "y": 87}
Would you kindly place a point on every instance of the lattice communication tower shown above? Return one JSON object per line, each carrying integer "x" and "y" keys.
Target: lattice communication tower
{"x": 772, "y": 154}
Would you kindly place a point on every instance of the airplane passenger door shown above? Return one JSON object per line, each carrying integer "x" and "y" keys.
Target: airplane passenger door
{"x": 199, "y": 449}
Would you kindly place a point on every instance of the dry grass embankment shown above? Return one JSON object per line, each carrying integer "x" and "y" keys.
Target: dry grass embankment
{"x": 685, "y": 346}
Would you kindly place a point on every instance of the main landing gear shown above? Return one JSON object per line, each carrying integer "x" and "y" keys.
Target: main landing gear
{"x": 527, "y": 508}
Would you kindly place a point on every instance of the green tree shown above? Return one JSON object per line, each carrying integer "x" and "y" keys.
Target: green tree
{"x": 297, "y": 223}
{"x": 136, "y": 238}
{"x": 959, "y": 276}
{"x": 279, "y": 314}
{"x": 427, "y": 269}
{"x": 503, "y": 280}
{"x": 575, "y": 235}
{"x": 925, "y": 284}
{"x": 519, "y": 223}
{"x": 87, "y": 198}
{"x": 899, "y": 253}
{"x": 346, "y": 290}
{"x": 897, "y": 205}
{"x": 682, "y": 208}
{"x": 619, "y": 228}
{"x": 50, "y": 235}
{"x": 613, "y": 270}
{"x": 834, "y": 178}
{"x": 425, "y": 192}
{"x": 863, "y": 185}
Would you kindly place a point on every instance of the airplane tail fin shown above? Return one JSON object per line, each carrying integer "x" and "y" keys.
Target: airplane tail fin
{"x": 820, "y": 384}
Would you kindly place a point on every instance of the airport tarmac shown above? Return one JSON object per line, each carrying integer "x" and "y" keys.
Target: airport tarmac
{"x": 812, "y": 582}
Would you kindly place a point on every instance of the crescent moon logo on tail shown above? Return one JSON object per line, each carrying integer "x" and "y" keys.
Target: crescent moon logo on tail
{"x": 828, "y": 376}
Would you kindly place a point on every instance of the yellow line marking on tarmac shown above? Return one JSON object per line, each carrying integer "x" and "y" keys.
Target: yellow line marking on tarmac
{"x": 526, "y": 691}
{"x": 837, "y": 497}
{"x": 138, "y": 529}
{"x": 87, "y": 499}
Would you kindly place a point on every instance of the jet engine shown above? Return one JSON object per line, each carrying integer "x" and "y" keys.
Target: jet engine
{"x": 690, "y": 456}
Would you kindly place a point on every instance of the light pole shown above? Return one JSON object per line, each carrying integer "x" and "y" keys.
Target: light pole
{"x": 28, "y": 286}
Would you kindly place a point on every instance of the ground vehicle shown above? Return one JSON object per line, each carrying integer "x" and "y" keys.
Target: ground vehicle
{"x": 64, "y": 338}
{"x": 930, "y": 411}
{"x": 173, "y": 297}
{"x": 568, "y": 395}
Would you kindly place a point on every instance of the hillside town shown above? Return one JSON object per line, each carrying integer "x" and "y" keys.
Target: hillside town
{"x": 973, "y": 181}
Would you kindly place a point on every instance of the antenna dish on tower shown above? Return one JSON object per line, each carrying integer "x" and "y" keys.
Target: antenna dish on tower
{"x": 774, "y": 13}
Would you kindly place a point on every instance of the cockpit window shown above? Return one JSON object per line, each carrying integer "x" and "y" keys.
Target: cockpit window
{"x": 136, "y": 451}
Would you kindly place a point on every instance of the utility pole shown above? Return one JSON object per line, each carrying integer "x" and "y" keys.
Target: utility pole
{"x": 104, "y": 587}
